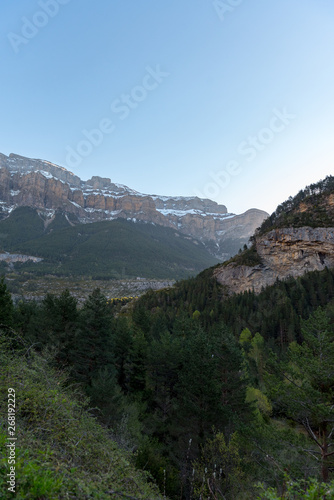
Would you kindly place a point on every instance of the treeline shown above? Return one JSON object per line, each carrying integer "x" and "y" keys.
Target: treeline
{"x": 275, "y": 313}
{"x": 211, "y": 395}
{"x": 316, "y": 213}
{"x": 158, "y": 391}
{"x": 61, "y": 451}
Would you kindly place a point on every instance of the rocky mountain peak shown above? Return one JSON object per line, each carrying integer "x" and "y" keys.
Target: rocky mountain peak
{"x": 22, "y": 165}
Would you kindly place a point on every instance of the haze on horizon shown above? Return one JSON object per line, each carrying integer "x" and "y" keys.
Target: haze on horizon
{"x": 229, "y": 100}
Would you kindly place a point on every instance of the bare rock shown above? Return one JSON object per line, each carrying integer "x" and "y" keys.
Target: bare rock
{"x": 286, "y": 252}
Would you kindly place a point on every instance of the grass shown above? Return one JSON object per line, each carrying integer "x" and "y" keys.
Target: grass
{"x": 62, "y": 452}
{"x": 249, "y": 258}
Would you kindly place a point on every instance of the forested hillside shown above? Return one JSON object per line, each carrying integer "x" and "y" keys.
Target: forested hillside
{"x": 107, "y": 249}
{"x": 214, "y": 399}
{"x": 189, "y": 392}
{"x": 312, "y": 206}
{"x": 297, "y": 238}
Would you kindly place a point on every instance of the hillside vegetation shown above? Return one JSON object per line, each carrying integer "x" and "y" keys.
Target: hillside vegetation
{"x": 108, "y": 249}
{"x": 188, "y": 385}
{"x": 208, "y": 396}
{"x": 62, "y": 452}
{"x": 312, "y": 206}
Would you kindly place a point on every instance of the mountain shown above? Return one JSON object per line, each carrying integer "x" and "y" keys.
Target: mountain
{"x": 119, "y": 248}
{"x": 297, "y": 238}
{"x": 48, "y": 187}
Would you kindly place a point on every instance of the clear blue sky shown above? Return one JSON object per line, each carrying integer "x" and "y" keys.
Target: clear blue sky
{"x": 235, "y": 102}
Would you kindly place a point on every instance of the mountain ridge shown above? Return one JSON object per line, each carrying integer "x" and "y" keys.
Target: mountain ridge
{"x": 297, "y": 238}
{"x": 43, "y": 185}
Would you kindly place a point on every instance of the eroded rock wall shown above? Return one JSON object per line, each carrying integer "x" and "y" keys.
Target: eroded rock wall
{"x": 287, "y": 252}
{"x": 43, "y": 185}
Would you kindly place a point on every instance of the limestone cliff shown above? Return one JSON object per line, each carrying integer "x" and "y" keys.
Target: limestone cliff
{"x": 46, "y": 186}
{"x": 284, "y": 252}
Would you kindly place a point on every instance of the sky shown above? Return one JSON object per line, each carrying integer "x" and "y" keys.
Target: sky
{"x": 231, "y": 100}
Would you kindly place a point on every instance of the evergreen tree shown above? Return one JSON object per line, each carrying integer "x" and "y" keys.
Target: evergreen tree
{"x": 6, "y": 304}
{"x": 302, "y": 387}
{"x": 162, "y": 378}
{"x": 121, "y": 341}
{"x": 93, "y": 347}
{"x": 217, "y": 473}
{"x": 60, "y": 317}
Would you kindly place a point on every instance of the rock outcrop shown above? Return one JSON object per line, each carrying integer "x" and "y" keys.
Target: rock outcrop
{"x": 46, "y": 186}
{"x": 286, "y": 252}
{"x": 16, "y": 257}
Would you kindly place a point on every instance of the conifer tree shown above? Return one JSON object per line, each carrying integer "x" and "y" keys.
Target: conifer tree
{"x": 93, "y": 348}
{"x": 6, "y": 304}
{"x": 60, "y": 318}
{"x": 302, "y": 387}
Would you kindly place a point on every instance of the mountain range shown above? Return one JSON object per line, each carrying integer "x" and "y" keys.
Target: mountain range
{"x": 48, "y": 188}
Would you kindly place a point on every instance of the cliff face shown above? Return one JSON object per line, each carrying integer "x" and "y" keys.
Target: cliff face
{"x": 45, "y": 186}
{"x": 284, "y": 252}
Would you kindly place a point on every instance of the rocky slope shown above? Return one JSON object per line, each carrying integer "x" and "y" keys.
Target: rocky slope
{"x": 284, "y": 252}
{"x": 45, "y": 186}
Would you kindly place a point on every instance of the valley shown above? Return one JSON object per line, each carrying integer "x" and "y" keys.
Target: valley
{"x": 194, "y": 364}
{"x": 29, "y": 287}
{"x": 167, "y": 250}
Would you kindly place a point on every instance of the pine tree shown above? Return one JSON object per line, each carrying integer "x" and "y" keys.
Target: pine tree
{"x": 302, "y": 387}
{"x": 93, "y": 348}
{"x": 60, "y": 318}
{"x": 6, "y": 304}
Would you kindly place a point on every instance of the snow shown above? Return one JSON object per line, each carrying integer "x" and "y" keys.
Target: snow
{"x": 101, "y": 192}
{"x": 45, "y": 174}
{"x": 182, "y": 213}
{"x": 49, "y": 212}
{"x": 49, "y": 176}
{"x": 75, "y": 204}
{"x": 112, "y": 213}
{"x": 179, "y": 213}
{"x": 170, "y": 198}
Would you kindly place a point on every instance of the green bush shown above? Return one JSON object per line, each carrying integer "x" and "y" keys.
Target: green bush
{"x": 62, "y": 451}
{"x": 298, "y": 490}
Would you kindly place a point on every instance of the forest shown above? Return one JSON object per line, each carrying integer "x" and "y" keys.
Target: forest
{"x": 202, "y": 395}
{"x": 309, "y": 207}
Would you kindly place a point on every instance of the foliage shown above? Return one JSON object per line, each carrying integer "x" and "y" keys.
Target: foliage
{"x": 309, "y": 207}
{"x": 113, "y": 249}
{"x": 275, "y": 313}
{"x": 24, "y": 224}
{"x": 62, "y": 451}
{"x": 298, "y": 490}
{"x": 217, "y": 473}
{"x": 6, "y": 304}
{"x": 248, "y": 257}
{"x": 302, "y": 387}
{"x": 179, "y": 366}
